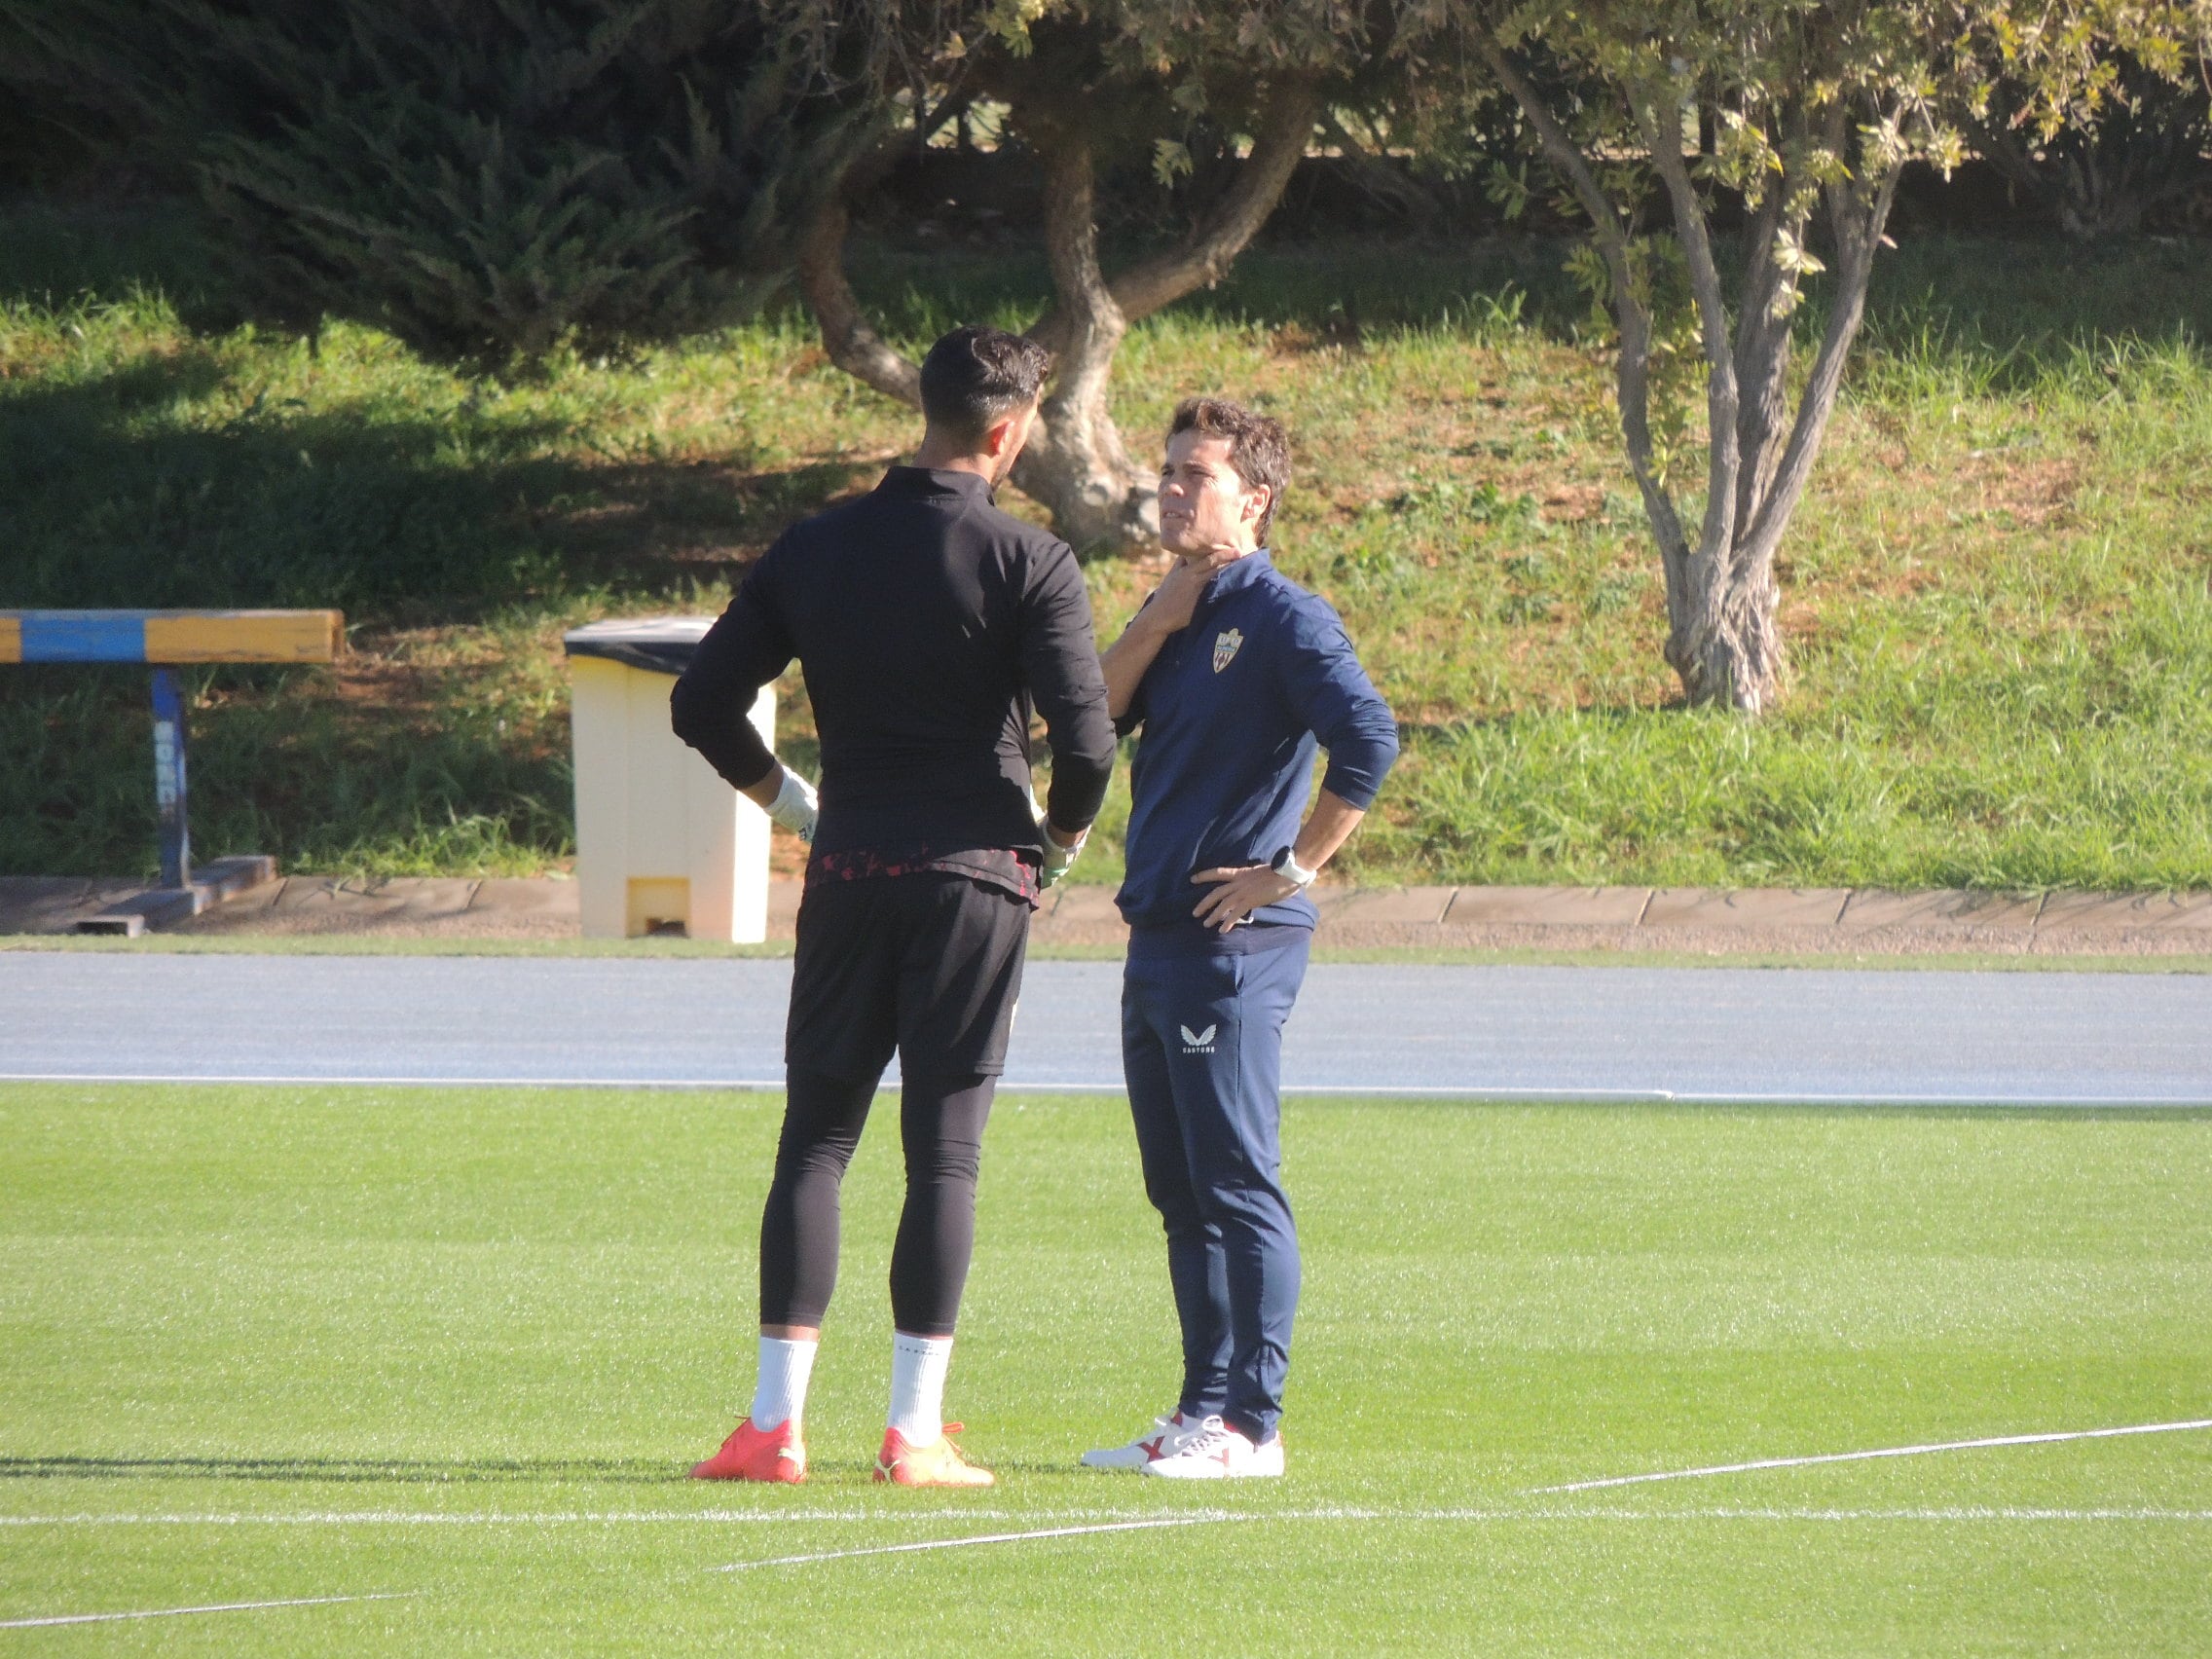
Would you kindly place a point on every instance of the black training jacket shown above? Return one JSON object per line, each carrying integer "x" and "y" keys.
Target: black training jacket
{"x": 928, "y": 624}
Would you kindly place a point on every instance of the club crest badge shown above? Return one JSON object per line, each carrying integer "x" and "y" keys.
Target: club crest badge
{"x": 1225, "y": 646}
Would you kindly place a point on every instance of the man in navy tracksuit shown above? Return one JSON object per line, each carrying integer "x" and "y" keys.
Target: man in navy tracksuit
{"x": 1233, "y": 674}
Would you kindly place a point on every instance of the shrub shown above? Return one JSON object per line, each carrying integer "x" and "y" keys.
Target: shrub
{"x": 487, "y": 181}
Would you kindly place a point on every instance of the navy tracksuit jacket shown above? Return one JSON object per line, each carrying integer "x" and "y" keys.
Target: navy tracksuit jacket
{"x": 1231, "y": 714}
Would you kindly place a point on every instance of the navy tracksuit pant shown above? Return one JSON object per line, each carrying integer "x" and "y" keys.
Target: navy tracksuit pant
{"x": 1201, "y": 1048}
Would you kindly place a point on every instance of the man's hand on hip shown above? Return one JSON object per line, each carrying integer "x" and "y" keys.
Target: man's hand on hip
{"x": 788, "y": 799}
{"x": 1238, "y": 891}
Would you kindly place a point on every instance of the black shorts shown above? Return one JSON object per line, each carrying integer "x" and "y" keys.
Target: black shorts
{"x": 928, "y": 964}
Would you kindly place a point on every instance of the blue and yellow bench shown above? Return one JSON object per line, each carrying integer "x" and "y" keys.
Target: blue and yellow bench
{"x": 165, "y": 640}
{"x": 171, "y": 635}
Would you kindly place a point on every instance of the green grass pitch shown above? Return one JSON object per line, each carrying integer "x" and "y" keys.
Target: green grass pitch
{"x": 457, "y": 1347}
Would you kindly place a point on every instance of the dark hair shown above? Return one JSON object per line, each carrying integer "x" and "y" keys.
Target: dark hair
{"x": 976, "y": 376}
{"x": 1258, "y": 449}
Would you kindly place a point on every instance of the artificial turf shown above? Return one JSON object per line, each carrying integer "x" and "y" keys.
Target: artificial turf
{"x": 459, "y": 1345}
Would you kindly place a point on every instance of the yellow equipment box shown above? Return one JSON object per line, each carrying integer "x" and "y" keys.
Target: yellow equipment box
{"x": 662, "y": 842}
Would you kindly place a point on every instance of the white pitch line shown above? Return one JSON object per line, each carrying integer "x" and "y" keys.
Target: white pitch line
{"x": 1332, "y": 1512}
{"x": 1009, "y": 1086}
{"x": 1115, "y": 1521}
{"x": 555, "y": 1517}
{"x": 985, "y": 1538}
{"x": 1884, "y": 1452}
{"x": 749, "y": 1086}
{"x": 1439, "y": 1516}
{"x": 1965, "y": 1514}
{"x": 214, "y": 1607}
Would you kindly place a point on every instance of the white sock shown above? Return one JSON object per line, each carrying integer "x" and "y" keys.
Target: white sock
{"x": 780, "y": 1395}
{"x": 918, "y": 1365}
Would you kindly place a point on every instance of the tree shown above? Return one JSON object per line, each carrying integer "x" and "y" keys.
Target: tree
{"x": 2147, "y": 147}
{"x": 1805, "y": 115}
{"x": 487, "y": 182}
{"x": 1083, "y": 84}
{"x": 44, "y": 139}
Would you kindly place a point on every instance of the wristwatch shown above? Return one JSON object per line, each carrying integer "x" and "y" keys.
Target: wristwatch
{"x": 1284, "y": 864}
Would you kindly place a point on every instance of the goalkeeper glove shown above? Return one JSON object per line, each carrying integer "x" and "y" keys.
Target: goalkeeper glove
{"x": 796, "y": 806}
{"x": 1059, "y": 860}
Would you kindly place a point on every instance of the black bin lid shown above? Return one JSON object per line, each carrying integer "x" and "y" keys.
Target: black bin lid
{"x": 658, "y": 644}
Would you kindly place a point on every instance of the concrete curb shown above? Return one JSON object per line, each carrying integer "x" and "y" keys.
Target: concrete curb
{"x": 211, "y": 884}
{"x": 1819, "y": 921}
{"x": 1863, "y": 921}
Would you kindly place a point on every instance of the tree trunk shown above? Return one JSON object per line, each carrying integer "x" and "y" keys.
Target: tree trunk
{"x": 1729, "y": 648}
{"x": 847, "y": 336}
{"x": 1723, "y": 603}
{"x": 1722, "y": 641}
{"x": 1727, "y": 645}
{"x": 2099, "y": 197}
{"x": 2104, "y": 179}
{"x": 1075, "y": 465}
{"x": 1079, "y": 470}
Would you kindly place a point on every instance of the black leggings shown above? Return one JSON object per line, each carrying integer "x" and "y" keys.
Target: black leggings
{"x": 941, "y": 1126}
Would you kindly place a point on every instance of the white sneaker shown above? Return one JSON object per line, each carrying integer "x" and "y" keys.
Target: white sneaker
{"x": 1219, "y": 1453}
{"x": 1169, "y": 1434}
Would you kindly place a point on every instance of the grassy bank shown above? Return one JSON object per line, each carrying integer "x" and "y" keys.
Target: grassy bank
{"x": 1996, "y": 595}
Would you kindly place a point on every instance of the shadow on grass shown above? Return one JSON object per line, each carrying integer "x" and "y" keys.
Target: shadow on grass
{"x": 349, "y": 1470}
{"x": 56, "y": 253}
{"x": 2020, "y": 297}
{"x": 127, "y": 490}
{"x": 2029, "y": 305}
{"x": 121, "y": 490}
{"x": 914, "y": 295}
{"x": 2005, "y": 315}
{"x": 303, "y": 764}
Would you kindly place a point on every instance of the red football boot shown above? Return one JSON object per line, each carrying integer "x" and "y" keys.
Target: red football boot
{"x": 936, "y": 1464}
{"x": 757, "y": 1454}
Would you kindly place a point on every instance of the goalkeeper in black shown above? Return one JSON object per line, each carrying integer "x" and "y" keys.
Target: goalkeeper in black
{"x": 929, "y": 626}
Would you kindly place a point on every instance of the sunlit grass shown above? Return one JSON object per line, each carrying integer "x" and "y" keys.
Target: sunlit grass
{"x": 1996, "y": 593}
